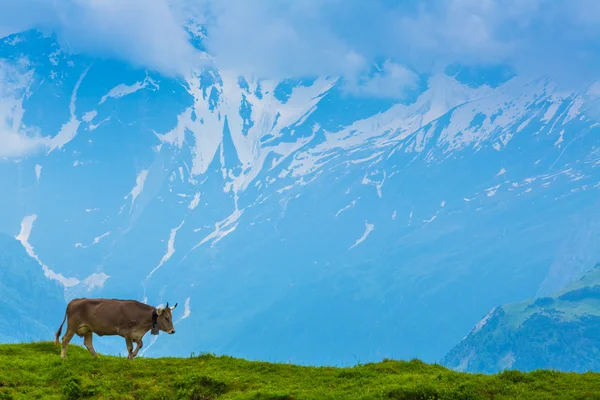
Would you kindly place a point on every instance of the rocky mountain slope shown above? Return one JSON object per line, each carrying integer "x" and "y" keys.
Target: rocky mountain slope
{"x": 553, "y": 332}
{"x": 291, "y": 220}
{"x": 31, "y": 304}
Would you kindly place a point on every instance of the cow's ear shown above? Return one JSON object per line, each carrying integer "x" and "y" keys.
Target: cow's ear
{"x": 159, "y": 310}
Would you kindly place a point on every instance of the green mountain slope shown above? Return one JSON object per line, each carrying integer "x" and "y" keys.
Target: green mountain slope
{"x": 32, "y": 305}
{"x": 560, "y": 332}
{"x": 35, "y": 370}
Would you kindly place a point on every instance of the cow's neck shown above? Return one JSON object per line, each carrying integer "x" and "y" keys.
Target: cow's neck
{"x": 154, "y": 323}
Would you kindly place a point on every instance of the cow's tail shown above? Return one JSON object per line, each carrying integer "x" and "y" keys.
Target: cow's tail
{"x": 59, "y": 331}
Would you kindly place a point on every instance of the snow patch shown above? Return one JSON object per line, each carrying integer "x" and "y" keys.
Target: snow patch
{"x": 574, "y": 110}
{"x": 507, "y": 361}
{"x": 23, "y": 237}
{"x": 89, "y": 116}
{"x": 377, "y": 183}
{"x": 550, "y": 112}
{"x": 560, "y": 138}
{"x": 170, "y": 250}
{"x": 285, "y": 188}
{"x": 38, "y": 172}
{"x": 152, "y": 341}
{"x": 352, "y": 203}
{"x": 95, "y": 280}
{"x": 124, "y": 90}
{"x": 69, "y": 129}
{"x": 186, "y": 310}
{"x": 195, "y": 201}
{"x": 138, "y": 188}
{"x": 222, "y": 229}
{"x": 97, "y": 240}
{"x": 368, "y": 229}
{"x": 91, "y": 126}
{"x": 525, "y": 191}
{"x": 523, "y": 126}
{"x": 269, "y": 118}
{"x": 53, "y": 57}
{"x": 492, "y": 191}
{"x": 430, "y": 219}
{"x": 483, "y": 321}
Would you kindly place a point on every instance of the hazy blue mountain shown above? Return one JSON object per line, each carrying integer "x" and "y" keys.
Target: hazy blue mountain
{"x": 560, "y": 332}
{"x": 291, "y": 220}
{"x": 32, "y": 305}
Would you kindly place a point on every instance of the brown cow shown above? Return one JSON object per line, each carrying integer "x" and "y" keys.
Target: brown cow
{"x": 106, "y": 317}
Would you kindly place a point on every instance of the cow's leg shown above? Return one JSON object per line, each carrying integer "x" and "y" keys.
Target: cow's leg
{"x": 87, "y": 340}
{"x": 139, "y": 344}
{"x": 129, "y": 347}
{"x": 65, "y": 342}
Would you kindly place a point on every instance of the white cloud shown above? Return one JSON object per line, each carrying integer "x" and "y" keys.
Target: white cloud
{"x": 16, "y": 16}
{"x": 15, "y": 144}
{"x": 15, "y": 139}
{"x": 143, "y": 33}
{"x": 345, "y": 38}
{"x": 391, "y": 80}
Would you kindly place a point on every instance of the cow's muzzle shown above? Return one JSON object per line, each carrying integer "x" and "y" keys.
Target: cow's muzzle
{"x": 172, "y": 331}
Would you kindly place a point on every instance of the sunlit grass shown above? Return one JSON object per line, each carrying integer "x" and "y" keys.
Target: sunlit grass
{"x": 36, "y": 371}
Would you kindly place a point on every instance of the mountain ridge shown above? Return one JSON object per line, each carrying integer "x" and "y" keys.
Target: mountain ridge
{"x": 242, "y": 201}
{"x": 556, "y": 332}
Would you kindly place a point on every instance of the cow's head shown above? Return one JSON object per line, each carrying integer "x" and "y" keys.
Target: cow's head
{"x": 165, "y": 319}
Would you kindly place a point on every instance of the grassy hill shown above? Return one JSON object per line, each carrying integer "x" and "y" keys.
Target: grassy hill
{"x": 36, "y": 371}
{"x": 559, "y": 332}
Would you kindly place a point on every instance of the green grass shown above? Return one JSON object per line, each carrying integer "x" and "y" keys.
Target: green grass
{"x": 36, "y": 371}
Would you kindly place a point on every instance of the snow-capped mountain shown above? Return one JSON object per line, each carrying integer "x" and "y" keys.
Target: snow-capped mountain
{"x": 291, "y": 220}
